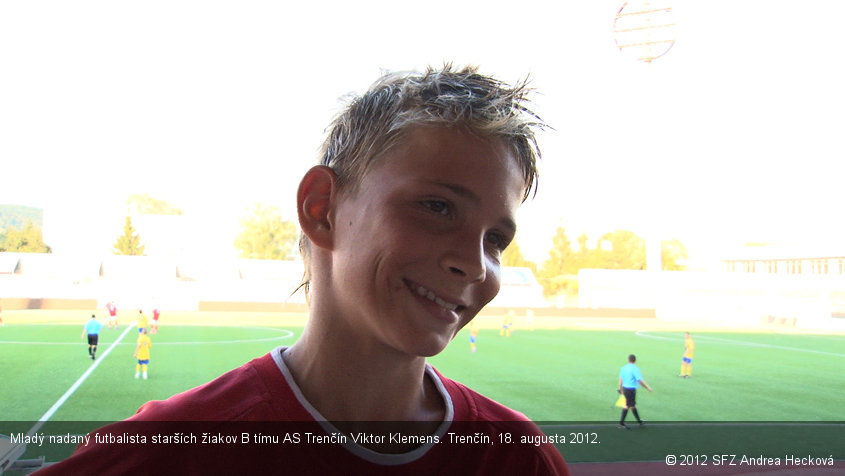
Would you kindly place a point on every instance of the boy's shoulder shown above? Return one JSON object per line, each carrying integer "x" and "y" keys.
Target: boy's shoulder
{"x": 251, "y": 392}
{"x": 470, "y": 405}
{"x": 476, "y": 414}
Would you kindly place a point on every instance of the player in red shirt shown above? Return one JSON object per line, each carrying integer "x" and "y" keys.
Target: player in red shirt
{"x": 154, "y": 324}
{"x": 112, "y": 319}
{"x": 403, "y": 228}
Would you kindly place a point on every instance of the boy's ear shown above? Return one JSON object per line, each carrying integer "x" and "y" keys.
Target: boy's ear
{"x": 314, "y": 199}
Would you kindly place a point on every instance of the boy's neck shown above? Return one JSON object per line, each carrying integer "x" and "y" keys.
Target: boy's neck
{"x": 348, "y": 383}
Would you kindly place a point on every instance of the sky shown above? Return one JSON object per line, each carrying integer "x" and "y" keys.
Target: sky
{"x": 733, "y": 136}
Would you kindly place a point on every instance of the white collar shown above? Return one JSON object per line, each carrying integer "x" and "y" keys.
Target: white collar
{"x": 367, "y": 454}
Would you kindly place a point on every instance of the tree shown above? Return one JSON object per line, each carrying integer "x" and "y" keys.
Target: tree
{"x": 622, "y": 249}
{"x": 26, "y": 240}
{"x": 16, "y": 216}
{"x": 674, "y": 255}
{"x": 513, "y": 257}
{"x": 266, "y": 235}
{"x": 147, "y": 205}
{"x": 556, "y": 273}
{"x": 129, "y": 243}
{"x": 586, "y": 257}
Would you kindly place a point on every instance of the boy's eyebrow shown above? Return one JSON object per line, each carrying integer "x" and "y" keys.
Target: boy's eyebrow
{"x": 462, "y": 191}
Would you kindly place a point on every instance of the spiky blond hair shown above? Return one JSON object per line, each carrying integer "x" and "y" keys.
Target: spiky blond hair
{"x": 378, "y": 120}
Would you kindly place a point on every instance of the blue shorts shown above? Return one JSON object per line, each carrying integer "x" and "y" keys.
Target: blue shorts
{"x": 141, "y": 329}
{"x": 472, "y": 339}
{"x": 687, "y": 360}
{"x": 144, "y": 362}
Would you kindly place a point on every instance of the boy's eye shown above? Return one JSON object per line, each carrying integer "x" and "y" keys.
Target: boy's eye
{"x": 498, "y": 241}
{"x": 437, "y": 206}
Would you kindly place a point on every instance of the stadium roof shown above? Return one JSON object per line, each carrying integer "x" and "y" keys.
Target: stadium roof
{"x": 772, "y": 252}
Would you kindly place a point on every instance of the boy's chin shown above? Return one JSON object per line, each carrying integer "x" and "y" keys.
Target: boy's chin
{"x": 431, "y": 348}
{"x": 436, "y": 348}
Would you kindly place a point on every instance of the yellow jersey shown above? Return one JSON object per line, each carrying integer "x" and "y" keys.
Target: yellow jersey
{"x": 144, "y": 344}
{"x": 689, "y": 347}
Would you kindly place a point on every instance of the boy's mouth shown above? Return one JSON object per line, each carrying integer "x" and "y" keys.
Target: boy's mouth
{"x": 429, "y": 294}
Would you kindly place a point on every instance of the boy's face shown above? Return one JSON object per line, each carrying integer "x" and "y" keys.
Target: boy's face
{"x": 417, "y": 248}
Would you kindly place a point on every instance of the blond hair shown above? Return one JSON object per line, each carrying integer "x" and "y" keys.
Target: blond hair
{"x": 378, "y": 120}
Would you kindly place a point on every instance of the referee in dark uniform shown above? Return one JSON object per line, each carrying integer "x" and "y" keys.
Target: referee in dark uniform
{"x": 629, "y": 377}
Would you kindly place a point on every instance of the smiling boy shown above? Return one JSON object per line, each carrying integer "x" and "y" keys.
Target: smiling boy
{"x": 404, "y": 223}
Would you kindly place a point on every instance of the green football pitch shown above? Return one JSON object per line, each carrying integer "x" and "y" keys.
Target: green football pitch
{"x": 565, "y": 378}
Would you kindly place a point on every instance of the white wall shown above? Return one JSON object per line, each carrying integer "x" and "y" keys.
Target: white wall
{"x": 737, "y": 298}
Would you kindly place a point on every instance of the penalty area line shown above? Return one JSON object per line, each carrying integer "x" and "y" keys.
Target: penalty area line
{"x": 49, "y": 414}
{"x": 743, "y": 343}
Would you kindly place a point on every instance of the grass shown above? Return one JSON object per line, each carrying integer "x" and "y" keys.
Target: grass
{"x": 182, "y": 357}
{"x": 572, "y": 375}
{"x": 564, "y": 378}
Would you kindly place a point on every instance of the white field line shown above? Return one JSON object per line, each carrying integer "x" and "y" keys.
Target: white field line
{"x": 49, "y": 414}
{"x": 285, "y": 334}
{"x": 611, "y": 327}
{"x": 740, "y": 342}
{"x": 44, "y": 418}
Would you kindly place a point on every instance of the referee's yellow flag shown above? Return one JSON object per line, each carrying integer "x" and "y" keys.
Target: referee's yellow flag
{"x": 620, "y": 402}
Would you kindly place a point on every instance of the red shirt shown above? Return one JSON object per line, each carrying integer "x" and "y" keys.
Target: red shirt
{"x": 263, "y": 425}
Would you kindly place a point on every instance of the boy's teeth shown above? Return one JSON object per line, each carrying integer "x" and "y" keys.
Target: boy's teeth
{"x": 445, "y": 304}
{"x": 432, "y": 297}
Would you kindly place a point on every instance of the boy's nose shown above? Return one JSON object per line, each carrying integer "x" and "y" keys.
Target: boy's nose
{"x": 466, "y": 260}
